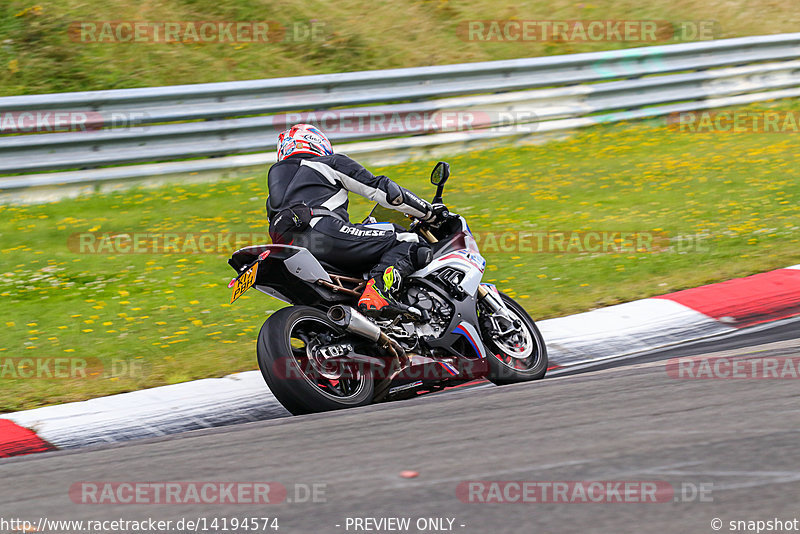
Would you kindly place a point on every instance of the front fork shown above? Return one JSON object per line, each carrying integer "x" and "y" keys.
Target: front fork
{"x": 491, "y": 299}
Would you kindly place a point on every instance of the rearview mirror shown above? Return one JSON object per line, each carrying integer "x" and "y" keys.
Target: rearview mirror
{"x": 440, "y": 173}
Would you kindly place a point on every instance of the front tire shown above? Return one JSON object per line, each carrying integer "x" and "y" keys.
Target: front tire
{"x": 525, "y": 361}
{"x": 285, "y": 363}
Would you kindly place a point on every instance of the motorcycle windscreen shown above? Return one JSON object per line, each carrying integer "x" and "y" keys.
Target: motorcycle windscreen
{"x": 385, "y": 215}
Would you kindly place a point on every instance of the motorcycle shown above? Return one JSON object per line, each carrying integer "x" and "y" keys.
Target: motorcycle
{"x": 320, "y": 353}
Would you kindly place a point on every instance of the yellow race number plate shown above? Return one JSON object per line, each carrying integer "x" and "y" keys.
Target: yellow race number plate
{"x": 244, "y": 282}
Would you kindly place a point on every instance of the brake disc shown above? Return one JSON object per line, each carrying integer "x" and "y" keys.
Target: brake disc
{"x": 326, "y": 359}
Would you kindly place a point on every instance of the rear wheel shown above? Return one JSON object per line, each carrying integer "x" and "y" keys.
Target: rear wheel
{"x": 290, "y": 348}
{"x": 518, "y": 355}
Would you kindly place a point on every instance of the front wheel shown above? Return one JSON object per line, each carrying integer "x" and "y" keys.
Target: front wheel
{"x": 516, "y": 356}
{"x": 289, "y": 348}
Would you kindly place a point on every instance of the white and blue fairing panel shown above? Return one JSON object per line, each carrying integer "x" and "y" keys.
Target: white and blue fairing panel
{"x": 471, "y": 334}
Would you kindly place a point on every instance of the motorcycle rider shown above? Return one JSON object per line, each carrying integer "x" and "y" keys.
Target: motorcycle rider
{"x": 307, "y": 206}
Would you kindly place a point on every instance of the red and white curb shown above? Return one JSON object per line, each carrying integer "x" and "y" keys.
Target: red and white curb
{"x": 602, "y": 334}
{"x": 154, "y": 412}
{"x": 679, "y": 317}
{"x": 16, "y": 440}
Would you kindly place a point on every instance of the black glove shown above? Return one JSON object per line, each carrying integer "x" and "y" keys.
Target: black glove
{"x": 437, "y": 214}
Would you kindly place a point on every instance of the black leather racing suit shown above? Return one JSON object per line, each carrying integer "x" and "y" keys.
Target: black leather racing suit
{"x": 323, "y": 182}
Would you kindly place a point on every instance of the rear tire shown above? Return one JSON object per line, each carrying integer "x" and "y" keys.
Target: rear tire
{"x": 507, "y": 369}
{"x": 289, "y": 375}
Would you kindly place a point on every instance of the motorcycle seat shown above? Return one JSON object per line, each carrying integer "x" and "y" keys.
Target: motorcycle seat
{"x": 334, "y": 270}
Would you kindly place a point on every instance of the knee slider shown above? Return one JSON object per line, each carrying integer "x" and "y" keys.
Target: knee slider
{"x": 421, "y": 256}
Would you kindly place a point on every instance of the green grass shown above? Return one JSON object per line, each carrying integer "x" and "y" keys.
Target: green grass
{"x": 169, "y": 313}
{"x": 38, "y": 56}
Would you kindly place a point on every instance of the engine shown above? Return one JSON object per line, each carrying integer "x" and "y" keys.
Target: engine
{"x": 439, "y": 309}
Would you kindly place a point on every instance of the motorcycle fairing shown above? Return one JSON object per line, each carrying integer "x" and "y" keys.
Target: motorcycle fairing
{"x": 473, "y": 337}
{"x": 298, "y": 260}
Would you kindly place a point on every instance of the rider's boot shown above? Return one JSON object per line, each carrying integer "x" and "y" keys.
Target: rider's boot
{"x": 378, "y": 296}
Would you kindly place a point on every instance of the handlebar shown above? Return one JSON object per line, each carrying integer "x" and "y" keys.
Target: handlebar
{"x": 423, "y": 227}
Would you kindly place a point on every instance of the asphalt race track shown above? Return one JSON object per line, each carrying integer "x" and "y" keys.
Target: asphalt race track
{"x": 737, "y": 440}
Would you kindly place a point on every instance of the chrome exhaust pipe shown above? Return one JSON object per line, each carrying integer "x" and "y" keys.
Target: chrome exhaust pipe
{"x": 352, "y": 321}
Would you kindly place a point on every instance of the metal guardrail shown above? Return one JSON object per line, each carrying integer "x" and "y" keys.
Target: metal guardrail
{"x": 223, "y": 119}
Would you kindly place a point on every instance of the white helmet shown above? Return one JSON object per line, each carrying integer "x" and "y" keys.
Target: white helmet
{"x": 303, "y": 139}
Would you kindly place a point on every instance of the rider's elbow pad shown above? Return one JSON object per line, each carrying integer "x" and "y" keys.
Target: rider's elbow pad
{"x": 394, "y": 194}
